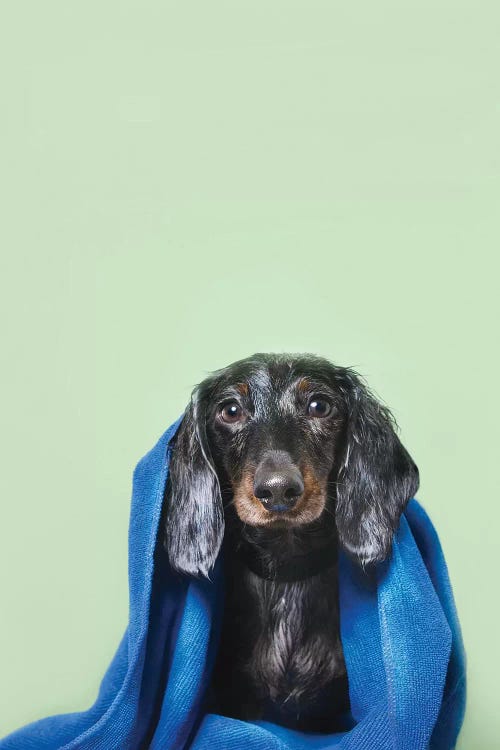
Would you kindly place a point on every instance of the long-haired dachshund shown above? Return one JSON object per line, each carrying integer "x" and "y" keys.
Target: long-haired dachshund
{"x": 284, "y": 458}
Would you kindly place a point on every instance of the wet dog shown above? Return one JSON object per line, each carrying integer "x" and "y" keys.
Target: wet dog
{"x": 284, "y": 459}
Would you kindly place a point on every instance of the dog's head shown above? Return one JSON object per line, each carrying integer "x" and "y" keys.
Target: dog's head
{"x": 284, "y": 439}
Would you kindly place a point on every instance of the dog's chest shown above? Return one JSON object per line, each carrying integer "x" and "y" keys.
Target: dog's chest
{"x": 291, "y": 633}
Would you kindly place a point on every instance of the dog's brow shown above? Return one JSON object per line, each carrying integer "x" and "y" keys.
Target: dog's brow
{"x": 229, "y": 391}
{"x": 242, "y": 388}
{"x": 304, "y": 384}
{"x": 309, "y": 384}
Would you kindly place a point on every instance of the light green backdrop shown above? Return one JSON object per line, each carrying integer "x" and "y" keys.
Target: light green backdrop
{"x": 187, "y": 183}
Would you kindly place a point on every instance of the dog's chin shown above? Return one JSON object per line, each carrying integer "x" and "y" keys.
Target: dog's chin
{"x": 251, "y": 511}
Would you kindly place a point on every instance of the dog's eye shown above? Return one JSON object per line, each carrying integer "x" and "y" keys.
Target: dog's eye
{"x": 319, "y": 407}
{"x": 231, "y": 412}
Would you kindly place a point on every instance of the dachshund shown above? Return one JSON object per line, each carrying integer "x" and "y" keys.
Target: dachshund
{"x": 282, "y": 460}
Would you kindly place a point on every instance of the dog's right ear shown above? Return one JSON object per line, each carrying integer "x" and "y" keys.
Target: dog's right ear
{"x": 194, "y": 525}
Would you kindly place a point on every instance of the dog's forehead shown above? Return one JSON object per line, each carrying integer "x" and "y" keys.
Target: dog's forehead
{"x": 273, "y": 383}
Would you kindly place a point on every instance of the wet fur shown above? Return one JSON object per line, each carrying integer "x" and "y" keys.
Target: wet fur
{"x": 280, "y": 654}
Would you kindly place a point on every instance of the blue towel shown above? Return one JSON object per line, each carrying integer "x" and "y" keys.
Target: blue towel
{"x": 400, "y": 634}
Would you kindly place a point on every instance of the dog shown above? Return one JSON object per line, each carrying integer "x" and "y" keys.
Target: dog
{"x": 282, "y": 460}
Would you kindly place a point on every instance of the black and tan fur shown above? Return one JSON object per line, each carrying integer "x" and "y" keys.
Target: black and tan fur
{"x": 254, "y": 432}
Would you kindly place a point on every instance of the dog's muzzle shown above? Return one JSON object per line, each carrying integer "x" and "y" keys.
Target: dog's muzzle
{"x": 278, "y": 483}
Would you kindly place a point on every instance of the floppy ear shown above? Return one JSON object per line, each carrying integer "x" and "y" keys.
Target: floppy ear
{"x": 376, "y": 478}
{"x": 194, "y": 524}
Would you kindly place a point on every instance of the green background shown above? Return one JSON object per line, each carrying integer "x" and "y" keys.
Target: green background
{"x": 186, "y": 183}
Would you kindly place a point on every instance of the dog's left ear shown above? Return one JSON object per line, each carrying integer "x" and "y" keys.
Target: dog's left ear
{"x": 376, "y": 477}
{"x": 194, "y": 525}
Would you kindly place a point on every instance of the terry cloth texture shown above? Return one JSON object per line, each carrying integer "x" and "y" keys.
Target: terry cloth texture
{"x": 400, "y": 634}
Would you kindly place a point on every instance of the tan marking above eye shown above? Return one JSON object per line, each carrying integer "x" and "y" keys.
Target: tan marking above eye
{"x": 242, "y": 388}
{"x": 304, "y": 385}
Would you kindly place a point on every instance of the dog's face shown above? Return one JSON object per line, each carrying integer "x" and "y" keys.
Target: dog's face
{"x": 274, "y": 429}
{"x": 285, "y": 439}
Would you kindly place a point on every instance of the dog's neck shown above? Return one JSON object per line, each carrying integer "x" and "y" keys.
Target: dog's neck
{"x": 285, "y": 554}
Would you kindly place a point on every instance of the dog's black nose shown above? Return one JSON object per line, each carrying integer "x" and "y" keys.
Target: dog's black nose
{"x": 278, "y": 482}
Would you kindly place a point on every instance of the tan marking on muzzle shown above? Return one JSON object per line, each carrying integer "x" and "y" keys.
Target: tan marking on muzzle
{"x": 250, "y": 509}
